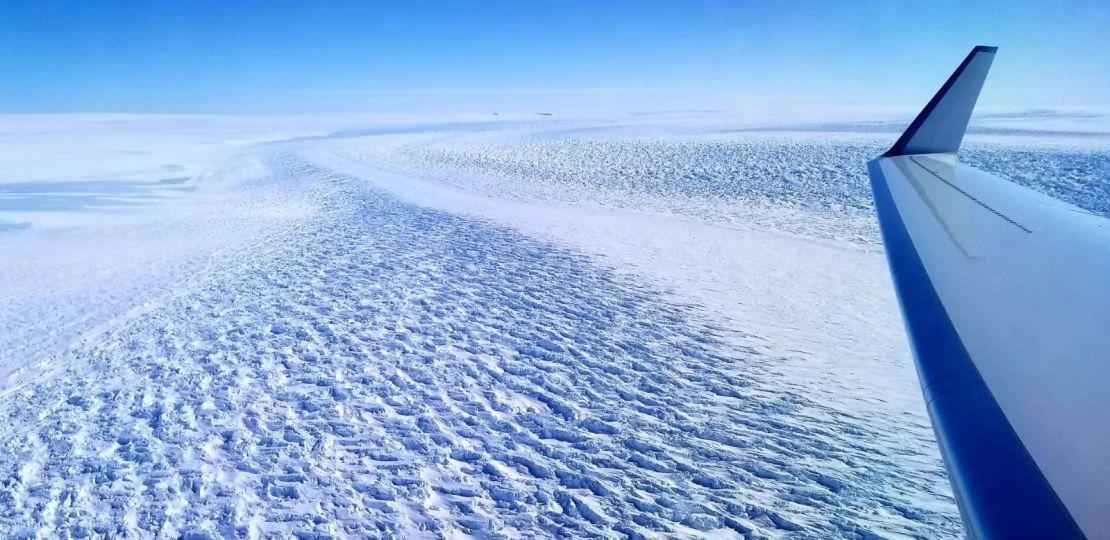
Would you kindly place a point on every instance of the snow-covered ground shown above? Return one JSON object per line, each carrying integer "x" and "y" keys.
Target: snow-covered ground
{"x": 669, "y": 325}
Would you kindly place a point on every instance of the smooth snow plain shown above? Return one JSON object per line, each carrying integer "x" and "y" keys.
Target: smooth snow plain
{"x": 648, "y": 326}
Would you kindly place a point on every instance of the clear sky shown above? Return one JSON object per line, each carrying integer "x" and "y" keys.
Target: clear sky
{"x": 345, "y": 56}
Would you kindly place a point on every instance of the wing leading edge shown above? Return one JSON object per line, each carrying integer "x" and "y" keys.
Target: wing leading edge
{"x": 1002, "y": 292}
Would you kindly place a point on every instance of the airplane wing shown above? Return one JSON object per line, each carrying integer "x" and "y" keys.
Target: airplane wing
{"x": 1005, "y": 293}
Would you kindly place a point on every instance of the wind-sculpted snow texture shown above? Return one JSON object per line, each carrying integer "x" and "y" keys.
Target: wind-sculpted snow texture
{"x": 736, "y": 181}
{"x": 380, "y": 369}
{"x": 813, "y": 184}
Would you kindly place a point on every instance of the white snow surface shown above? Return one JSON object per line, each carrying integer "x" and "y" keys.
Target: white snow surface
{"x": 668, "y": 326}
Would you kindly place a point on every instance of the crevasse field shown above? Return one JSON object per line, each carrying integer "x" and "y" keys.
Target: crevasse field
{"x": 674, "y": 325}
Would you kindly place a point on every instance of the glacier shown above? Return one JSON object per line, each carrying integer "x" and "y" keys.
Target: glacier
{"x": 630, "y": 327}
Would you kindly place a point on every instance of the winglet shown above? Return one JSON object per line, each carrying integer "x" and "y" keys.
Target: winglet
{"x": 939, "y": 128}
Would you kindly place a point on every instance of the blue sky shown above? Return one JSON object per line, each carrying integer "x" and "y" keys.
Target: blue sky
{"x": 294, "y": 56}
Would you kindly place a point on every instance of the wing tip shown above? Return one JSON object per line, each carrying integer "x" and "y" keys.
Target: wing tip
{"x": 944, "y": 131}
